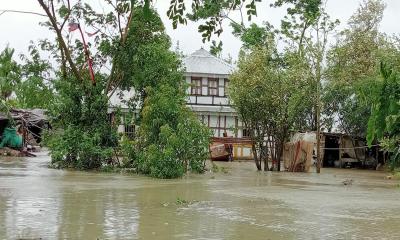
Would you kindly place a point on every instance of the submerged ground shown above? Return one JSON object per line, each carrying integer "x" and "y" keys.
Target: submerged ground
{"x": 37, "y": 202}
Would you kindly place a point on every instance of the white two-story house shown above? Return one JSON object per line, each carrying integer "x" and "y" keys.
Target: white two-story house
{"x": 208, "y": 78}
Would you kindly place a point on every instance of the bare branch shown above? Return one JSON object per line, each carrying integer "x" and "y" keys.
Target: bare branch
{"x": 123, "y": 40}
{"x": 61, "y": 40}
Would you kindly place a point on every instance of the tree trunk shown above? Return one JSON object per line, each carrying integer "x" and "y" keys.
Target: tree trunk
{"x": 354, "y": 148}
{"x": 265, "y": 157}
{"x": 279, "y": 155}
{"x": 255, "y": 156}
{"x": 61, "y": 40}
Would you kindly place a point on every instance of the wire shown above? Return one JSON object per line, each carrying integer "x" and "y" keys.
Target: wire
{"x": 376, "y": 145}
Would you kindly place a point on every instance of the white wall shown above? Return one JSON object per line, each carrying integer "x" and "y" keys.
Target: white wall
{"x": 218, "y": 125}
{"x": 221, "y": 90}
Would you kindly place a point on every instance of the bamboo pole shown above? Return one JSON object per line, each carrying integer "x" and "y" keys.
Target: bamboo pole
{"x": 317, "y": 106}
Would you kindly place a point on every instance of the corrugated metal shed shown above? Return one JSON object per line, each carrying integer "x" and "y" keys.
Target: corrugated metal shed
{"x": 204, "y": 62}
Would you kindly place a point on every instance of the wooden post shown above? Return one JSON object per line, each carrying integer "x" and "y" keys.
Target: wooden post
{"x": 318, "y": 150}
{"x": 318, "y": 124}
{"x": 340, "y": 151}
{"x": 318, "y": 143}
{"x": 24, "y": 134}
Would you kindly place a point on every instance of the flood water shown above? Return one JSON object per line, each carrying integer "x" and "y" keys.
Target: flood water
{"x": 41, "y": 203}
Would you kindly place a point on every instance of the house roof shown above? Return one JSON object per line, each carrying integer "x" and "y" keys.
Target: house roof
{"x": 204, "y": 62}
{"x": 30, "y": 116}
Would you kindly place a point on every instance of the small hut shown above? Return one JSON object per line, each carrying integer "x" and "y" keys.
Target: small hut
{"x": 27, "y": 123}
{"x": 337, "y": 150}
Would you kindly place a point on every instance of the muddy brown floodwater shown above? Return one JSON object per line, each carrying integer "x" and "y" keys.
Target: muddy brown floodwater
{"x": 41, "y": 203}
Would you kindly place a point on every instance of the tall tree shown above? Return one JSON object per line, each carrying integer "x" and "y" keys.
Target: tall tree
{"x": 353, "y": 65}
{"x": 171, "y": 141}
{"x": 132, "y": 39}
{"x": 267, "y": 91}
{"x": 384, "y": 122}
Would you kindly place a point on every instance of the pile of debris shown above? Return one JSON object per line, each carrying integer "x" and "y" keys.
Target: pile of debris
{"x": 21, "y": 130}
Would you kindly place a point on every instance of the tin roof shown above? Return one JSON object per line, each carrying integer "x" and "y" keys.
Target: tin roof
{"x": 30, "y": 116}
{"x": 204, "y": 62}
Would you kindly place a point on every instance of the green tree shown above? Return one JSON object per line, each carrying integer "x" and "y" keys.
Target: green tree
{"x": 35, "y": 90}
{"x": 267, "y": 91}
{"x": 353, "y": 66}
{"x": 141, "y": 61}
{"x": 83, "y": 137}
{"x": 144, "y": 60}
{"x": 384, "y": 122}
{"x": 171, "y": 141}
{"x": 144, "y": 66}
{"x": 301, "y": 16}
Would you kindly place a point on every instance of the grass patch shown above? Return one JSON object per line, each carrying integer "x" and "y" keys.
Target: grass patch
{"x": 215, "y": 168}
{"x": 183, "y": 202}
{"x": 180, "y": 201}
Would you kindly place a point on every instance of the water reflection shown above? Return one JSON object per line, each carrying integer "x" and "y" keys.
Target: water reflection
{"x": 37, "y": 202}
{"x": 91, "y": 214}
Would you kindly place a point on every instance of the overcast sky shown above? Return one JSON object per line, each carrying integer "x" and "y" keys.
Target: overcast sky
{"x": 18, "y": 29}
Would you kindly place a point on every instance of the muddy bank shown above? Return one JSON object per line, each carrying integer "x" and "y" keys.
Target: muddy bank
{"x": 239, "y": 203}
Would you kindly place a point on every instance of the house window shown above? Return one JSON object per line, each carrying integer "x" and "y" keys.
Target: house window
{"x": 129, "y": 131}
{"x": 129, "y": 126}
{"x": 213, "y": 86}
{"x": 196, "y": 86}
{"x": 226, "y": 86}
{"x": 246, "y": 132}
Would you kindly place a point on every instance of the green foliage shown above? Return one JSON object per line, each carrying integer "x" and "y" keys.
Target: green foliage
{"x": 211, "y": 11}
{"x": 75, "y": 148}
{"x": 9, "y": 73}
{"x": 144, "y": 60}
{"x": 253, "y": 36}
{"x": 26, "y": 81}
{"x": 180, "y": 201}
{"x": 301, "y": 15}
{"x": 353, "y": 69}
{"x": 34, "y": 89}
{"x": 384, "y": 122}
{"x": 214, "y": 12}
{"x": 128, "y": 150}
{"x": 216, "y": 49}
{"x": 83, "y": 136}
{"x": 171, "y": 141}
{"x": 267, "y": 92}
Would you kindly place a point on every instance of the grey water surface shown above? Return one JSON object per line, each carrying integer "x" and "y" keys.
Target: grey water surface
{"x": 37, "y": 202}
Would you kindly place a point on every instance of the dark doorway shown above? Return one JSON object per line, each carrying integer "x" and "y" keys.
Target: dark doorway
{"x": 331, "y": 155}
{"x": 3, "y": 125}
